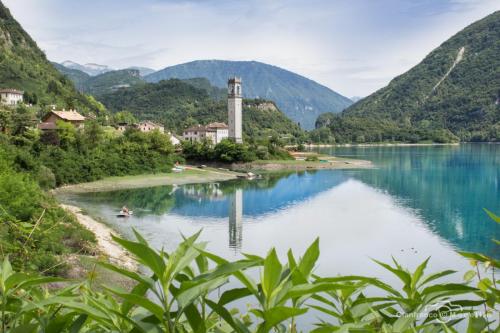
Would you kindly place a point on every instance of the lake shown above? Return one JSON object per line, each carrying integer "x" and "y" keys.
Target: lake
{"x": 418, "y": 202}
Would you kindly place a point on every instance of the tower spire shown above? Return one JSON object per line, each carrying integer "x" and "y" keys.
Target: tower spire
{"x": 234, "y": 109}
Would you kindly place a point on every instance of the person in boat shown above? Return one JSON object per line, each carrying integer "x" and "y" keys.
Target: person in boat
{"x": 125, "y": 210}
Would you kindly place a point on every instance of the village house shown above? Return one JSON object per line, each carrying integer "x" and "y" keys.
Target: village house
{"x": 221, "y": 131}
{"x": 49, "y": 121}
{"x": 214, "y": 132}
{"x": 11, "y": 96}
{"x": 148, "y": 126}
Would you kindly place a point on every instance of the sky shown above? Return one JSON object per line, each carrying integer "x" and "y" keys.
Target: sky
{"x": 351, "y": 46}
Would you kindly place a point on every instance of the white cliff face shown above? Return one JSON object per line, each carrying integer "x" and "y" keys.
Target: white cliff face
{"x": 460, "y": 56}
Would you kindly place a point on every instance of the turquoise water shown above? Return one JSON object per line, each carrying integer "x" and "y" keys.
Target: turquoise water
{"x": 417, "y": 202}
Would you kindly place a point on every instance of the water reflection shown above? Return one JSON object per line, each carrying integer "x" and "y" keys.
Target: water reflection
{"x": 443, "y": 188}
{"x": 236, "y": 220}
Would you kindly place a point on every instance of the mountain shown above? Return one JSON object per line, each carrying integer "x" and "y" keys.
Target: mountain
{"x": 454, "y": 93}
{"x": 78, "y": 77}
{"x": 143, "y": 70}
{"x": 356, "y": 98}
{"x": 111, "y": 81}
{"x": 90, "y": 69}
{"x": 301, "y": 99}
{"x": 25, "y": 67}
{"x": 103, "y": 83}
{"x": 179, "y": 104}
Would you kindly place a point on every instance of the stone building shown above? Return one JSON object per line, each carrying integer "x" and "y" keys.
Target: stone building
{"x": 234, "y": 109}
{"x": 214, "y": 132}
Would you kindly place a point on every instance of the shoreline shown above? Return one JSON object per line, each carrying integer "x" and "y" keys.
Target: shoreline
{"x": 190, "y": 175}
{"x": 402, "y": 144}
{"x": 105, "y": 244}
{"x": 324, "y": 162}
{"x": 215, "y": 173}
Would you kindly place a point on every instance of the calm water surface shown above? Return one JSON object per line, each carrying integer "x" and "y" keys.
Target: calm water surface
{"x": 417, "y": 202}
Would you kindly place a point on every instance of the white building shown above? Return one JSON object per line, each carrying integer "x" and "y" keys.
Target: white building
{"x": 234, "y": 109}
{"x": 173, "y": 139}
{"x": 11, "y": 96}
{"x": 221, "y": 131}
{"x": 214, "y": 132}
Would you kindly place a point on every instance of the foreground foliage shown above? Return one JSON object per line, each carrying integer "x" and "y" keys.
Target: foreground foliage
{"x": 193, "y": 290}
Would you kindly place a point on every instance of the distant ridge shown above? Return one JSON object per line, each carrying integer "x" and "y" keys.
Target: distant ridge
{"x": 301, "y": 99}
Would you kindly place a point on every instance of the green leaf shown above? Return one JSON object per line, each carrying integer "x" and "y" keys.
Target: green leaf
{"x": 272, "y": 273}
{"x": 418, "y": 273}
{"x": 309, "y": 259}
{"x": 276, "y": 315}
{"x": 403, "y": 323}
{"x": 146, "y": 255}
{"x": 436, "y": 276}
{"x": 26, "y": 328}
{"x": 140, "y": 301}
{"x": 449, "y": 288}
{"x": 186, "y": 296}
{"x": 469, "y": 275}
{"x": 78, "y": 323}
{"x": 402, "y": 275}
{"x": 233, "y": 294}
{"x": 228, "y": 318}
{"x": 492, "y": 215}
{"x": 476, "y": 324}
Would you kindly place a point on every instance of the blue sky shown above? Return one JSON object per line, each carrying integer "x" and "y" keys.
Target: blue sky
{"x": 352, "y": 46}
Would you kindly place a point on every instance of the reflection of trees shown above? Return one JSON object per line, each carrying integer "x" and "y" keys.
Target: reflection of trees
{"x": 198, "y": 191}
{"x": 155, "y": 200}
{"x": 448, "y": 186}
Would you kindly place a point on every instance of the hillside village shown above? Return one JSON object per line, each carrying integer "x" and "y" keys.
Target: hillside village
{"x": 213, "y": 132}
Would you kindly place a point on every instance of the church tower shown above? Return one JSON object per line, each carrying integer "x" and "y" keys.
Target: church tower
{"x": 234, "y": 109}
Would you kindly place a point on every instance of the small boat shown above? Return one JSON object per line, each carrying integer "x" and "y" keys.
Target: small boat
{"x": 125, "y": 214}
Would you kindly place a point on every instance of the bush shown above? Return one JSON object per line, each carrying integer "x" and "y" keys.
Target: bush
{"x": 46, "y": 178}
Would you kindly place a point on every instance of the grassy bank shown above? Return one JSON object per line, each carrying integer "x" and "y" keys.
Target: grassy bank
{"x": 304, "y": 161}
{"x": 190, "y": 175}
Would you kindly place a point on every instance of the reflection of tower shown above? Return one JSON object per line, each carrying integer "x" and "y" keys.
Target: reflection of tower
{"x": 236, "y": 220}
{"x": 234, "y": 109}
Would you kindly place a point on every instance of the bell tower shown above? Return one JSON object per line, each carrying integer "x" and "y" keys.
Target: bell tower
{"x": 234, "y": 109}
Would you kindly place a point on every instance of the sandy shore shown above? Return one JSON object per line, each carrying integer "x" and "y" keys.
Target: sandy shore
{"x": 105, "y": 243}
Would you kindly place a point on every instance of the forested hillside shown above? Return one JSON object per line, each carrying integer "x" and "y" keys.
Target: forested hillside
{"x": 301, "y": 99}
{"x": 454, "y": 93}
{"x": 178, "y": 104}
{"x": 24, "y": 66}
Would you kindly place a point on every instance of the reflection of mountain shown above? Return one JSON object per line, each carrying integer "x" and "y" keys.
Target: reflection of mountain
{"x": 447, "y": 186}
{"x": 259, "y": 196}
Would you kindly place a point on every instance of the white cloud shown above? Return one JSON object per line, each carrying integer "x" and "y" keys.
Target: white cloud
{"x": 354, "y": 47}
